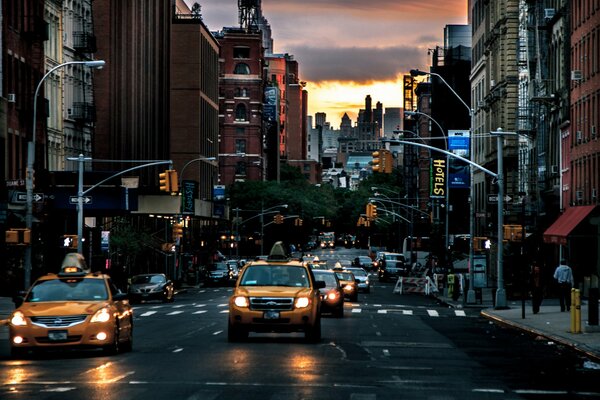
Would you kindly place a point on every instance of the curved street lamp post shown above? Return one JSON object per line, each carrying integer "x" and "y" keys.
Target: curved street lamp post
{"x": 31, "y": 161}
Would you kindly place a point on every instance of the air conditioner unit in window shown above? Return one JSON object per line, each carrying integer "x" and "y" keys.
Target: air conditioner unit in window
{"x": 578, "y": 136}
{"x": 594, "y": 193}
{"x": 69, "y": 112}
{"x": 11, "y": 97}
{"x": 579, "y": 195}
{"x": 554, "y": 169}
{"x": 481, "y": 104}
{"x": 576, "y": 75}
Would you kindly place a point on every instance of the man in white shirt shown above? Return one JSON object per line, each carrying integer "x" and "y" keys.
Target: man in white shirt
{"x": 564, "y": 276}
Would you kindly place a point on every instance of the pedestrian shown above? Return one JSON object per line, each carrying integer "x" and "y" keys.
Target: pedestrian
{"x": 537, "y": 290}
{"x": 564, "y": 276}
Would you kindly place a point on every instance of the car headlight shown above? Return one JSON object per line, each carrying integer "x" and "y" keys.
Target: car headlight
{"x": 18, "y": 319}
{"x": 349, "y": 288}
{"x": 332, "y": 295}
{"x": 241, "y": 301}
{"x": 101, "y": 315}
{"x": 302, "y": 302}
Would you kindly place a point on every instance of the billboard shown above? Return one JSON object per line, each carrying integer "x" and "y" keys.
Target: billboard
{"x": 437, "y": 178}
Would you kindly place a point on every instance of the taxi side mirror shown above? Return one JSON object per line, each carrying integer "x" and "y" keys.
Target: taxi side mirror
{"x": 18, "y": 299}
{"x": 319, "y": 284}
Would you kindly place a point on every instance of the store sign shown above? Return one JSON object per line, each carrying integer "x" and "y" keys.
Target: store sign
{"x": 438, "y": 178}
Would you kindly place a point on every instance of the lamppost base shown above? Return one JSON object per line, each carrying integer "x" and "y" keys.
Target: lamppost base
{"x": 501, "y": 299}
{"x": 471, "y": 296}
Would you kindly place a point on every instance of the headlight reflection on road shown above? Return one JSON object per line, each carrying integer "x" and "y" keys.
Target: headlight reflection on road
{"x": 16, "y": 376}
{"x": 302, "y": 368}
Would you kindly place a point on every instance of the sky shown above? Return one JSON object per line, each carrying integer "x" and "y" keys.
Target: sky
{"x": 348, "y": 49}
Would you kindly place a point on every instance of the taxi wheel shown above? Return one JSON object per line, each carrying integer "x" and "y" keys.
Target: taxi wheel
{"x": 18, "y": 352}
{"x": 313, "y": 332}
{"x": 113, "y": 348}
{"x": 128, "y": 345}
{"x": 236, "y": 334}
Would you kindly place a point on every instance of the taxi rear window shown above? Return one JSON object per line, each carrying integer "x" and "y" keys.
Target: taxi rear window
{"x": 69, "y": 289}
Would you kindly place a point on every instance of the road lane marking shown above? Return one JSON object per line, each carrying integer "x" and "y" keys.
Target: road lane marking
{"x": 460, "y": 313}
{"x": 217, "y": 332}
{"x": 174, "y": 312}
{"x": 222, "y": 305}
{"x": 199, "y": 312}
{"x": 58, "y": 389}
{"x": 179, "y": 306}
{"x": 433, "y": 313}
{"x": 177, "y": 350}
{"x": 147, "y": 313}
{"x": 200, "y": 305}
{"x": 357, "y": 310}
{"x": 386, "y": 352}
{"x": 382, "y": 311}
{"x": 407, "y": 312}
{"x": 224, "y": 312}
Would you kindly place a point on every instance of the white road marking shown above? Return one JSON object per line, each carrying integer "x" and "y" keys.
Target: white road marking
{"x": 179, "y": 306}
{"x": 147, "y": 313}
{"x": 381, "y": 311}
{"x": 58, "y": 389}
{"x": 177, "y": 350}
{"x": 222, "y": 305}
{"x": 174, "y": 312}
{"x": 386, "y": 352}
{"x": 217, "y": 332}
{"x": 407, "y": 312}
{"x": 357, "y": 310}
{"x": 200, "y": 305}
{"x": 199, "y": 312}
{"x": 460, "y": 313}
{"x": 433, "y": 313}
{"x": 224, "y": 312}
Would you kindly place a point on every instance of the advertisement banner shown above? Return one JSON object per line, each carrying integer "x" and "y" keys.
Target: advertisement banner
{"x": 459, "y": 142}
{"x": 458, "y": 175}
{"x": 219, "y": 192}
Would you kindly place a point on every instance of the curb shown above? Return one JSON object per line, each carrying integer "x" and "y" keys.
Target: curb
{"x": 558, "y": 339}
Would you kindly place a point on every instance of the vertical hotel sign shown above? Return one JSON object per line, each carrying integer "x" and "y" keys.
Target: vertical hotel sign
{"x": 438, "y": 178}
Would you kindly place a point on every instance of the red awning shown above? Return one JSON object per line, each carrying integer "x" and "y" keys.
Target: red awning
{"x": 562, "y": 227}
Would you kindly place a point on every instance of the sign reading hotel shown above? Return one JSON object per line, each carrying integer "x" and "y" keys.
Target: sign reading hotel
{"x": 438, "y": 178}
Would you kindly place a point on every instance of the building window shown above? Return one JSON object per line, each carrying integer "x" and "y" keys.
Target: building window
{"x": 240, "y": 146}
{"x": 240, "y": 168}
{"x": 241, "y": 52}
{"x": 240, "y": 112}
{"x": 242, "y": 69}
{"x": 241, "y": 92}
{"x": 240, "y": 131}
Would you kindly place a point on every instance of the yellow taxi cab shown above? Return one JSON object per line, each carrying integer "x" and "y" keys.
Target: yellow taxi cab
{"x": 275, "y": 295}
{"x": 74, "y": 308}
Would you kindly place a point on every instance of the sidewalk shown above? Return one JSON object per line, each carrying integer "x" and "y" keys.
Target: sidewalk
{"x": 550, "y": 322}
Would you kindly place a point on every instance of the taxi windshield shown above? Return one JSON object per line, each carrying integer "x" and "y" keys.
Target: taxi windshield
{"x": 281, "y": 275}
{"x": 345, "y": 276}
{"x": 71, "y": 289}
{"x": 329, "y": 279}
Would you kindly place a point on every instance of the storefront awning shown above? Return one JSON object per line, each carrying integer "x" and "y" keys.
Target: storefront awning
{"x": 562, "y": 227}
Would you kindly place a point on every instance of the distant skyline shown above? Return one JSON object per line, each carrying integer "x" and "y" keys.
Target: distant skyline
{"x": 348, "y": 49}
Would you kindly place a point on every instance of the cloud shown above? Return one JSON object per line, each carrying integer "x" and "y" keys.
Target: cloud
{"x": 357, "y": 64}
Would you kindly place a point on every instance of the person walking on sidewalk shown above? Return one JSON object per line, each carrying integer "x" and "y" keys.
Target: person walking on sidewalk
{"x": 564, "y": 276}
{"x": 537, "y": 289}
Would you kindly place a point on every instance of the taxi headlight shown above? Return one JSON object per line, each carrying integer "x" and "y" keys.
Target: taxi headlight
{"x": 240, "y": 301}
{"x": 18, "y": 319}
{"x": 101, "y": 315}
{"x": 302, "y": 302}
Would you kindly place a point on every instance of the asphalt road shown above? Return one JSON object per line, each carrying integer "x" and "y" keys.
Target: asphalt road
{"x": 387, "y": 346}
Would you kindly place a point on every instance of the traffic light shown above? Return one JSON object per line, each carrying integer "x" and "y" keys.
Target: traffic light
{"x": 12, "y": 237}
{"x": 298, "y": 222}
{"x": 173, "y": 181}
{"x": 278, "y": 218}
{"x": 377, "y": 162}
{"x": 388, "y": 162}
{"x": 177, "y": 230}
{"x": 164, "y": 180}
{"x": 373, "y": 211}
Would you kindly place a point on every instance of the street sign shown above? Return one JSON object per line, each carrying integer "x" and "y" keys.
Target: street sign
{"x": 22, "y": 197}
{"x": 493, "y": 198}
{"x": 75, "y": 199}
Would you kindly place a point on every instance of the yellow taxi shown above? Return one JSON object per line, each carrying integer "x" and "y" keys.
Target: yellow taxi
{"x": 275, "y": 295}
{"x": 74, "y": 308}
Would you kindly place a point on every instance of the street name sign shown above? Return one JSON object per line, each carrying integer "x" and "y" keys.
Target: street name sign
{"x": 493, "y": 198}
{"x": 75, "y": 199}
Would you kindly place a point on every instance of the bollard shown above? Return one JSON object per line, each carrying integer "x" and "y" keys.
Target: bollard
{"x": 575, "y": 311}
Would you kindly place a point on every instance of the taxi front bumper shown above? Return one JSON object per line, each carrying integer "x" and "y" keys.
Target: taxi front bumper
{"x": 84, "y": 335}
{"x": 272, "y": 320}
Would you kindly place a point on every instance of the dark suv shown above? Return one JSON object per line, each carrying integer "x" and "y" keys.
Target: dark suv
{"x": 391, "y": 266}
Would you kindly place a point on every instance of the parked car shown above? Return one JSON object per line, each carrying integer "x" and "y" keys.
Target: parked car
{"x": 332, "y": 295}
{"x": 151, "y": 287}
{"x": 391, "y": 266}
{"x": 74, "y": 308}
{"x": 362, "y": 279}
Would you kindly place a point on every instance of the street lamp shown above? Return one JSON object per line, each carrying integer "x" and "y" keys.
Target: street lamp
{"x": 31, "y": 161}
{"x": 471, "y": 292}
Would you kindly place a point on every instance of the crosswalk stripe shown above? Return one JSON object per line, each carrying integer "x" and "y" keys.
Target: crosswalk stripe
{"x": 199, "y": 312}
{"x": 460, "y": 313}
{"x": 357, "y": 310}
{"x": 407, "y": 312}
{"x": 433, "y": 313}
{"x": 174, "y": 312}
{"x": 147, "y": 313}
{"x": 381, "y": 311}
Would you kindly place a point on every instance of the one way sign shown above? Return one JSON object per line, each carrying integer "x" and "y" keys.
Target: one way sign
{"x": 75, "y": 199}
